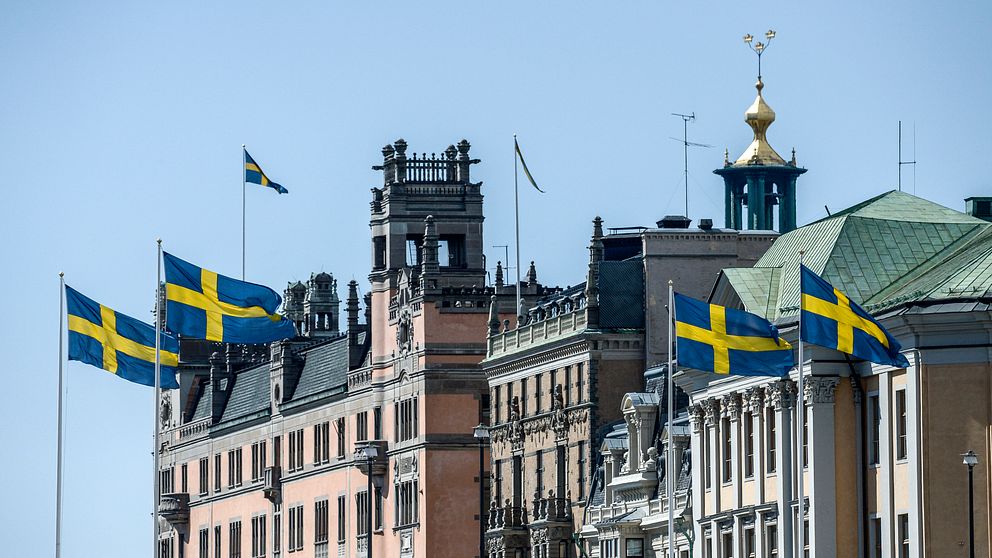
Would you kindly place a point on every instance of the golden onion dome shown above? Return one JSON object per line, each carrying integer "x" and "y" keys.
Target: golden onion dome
{"x": 759, "y": 116}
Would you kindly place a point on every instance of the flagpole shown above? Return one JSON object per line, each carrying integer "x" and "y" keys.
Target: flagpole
{"x": 516, "y": 213}
{"x": 801, "y": 411}
{"x": 58, "y": 473}
{"x": 158, "y": 381}
{"x": 244, "y": 161}
{"x": 670, "y": 459}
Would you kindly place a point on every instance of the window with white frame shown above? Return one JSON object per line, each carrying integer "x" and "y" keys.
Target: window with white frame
{"x": 901, "y": 424}
{"x": 874, "y": 428}
{"x": 904, "y": 535}
{"x": 770, "y": 442}
{"x": 748, "y": 424}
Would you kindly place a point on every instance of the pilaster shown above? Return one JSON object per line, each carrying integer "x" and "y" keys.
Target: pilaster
{"x": 780, "y": 396}
{"x": 819, "y": 395}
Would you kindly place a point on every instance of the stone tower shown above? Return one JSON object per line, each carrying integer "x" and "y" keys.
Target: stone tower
{"x": 760, "y": 178}
{"x": 321, "y": 306}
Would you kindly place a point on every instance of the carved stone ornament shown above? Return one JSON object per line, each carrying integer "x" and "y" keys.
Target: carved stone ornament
{"x": 711, "y": 408}
{"x": 754, "y": 399}
{"x": 166, "y": 412}
{"x": 539, "y": 536}
{"x": 820, "y": 389}
{"x": 696, "y": 414}
{"x": 731, "y": 404}
{"x": 404, "y": 332}
{"x": 779, "y": 394}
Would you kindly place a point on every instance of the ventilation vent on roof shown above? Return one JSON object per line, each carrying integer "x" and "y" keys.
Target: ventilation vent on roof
{"x": 674, "y": 222}
{"x": 706, "y": 224}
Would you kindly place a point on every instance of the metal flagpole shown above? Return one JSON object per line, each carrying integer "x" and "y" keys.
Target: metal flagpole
{"x": 801, "y": 430}
{"x": 158, "y": 386}
{"x": 58, "y": 472}
{"x": 244, "y": 162}
{"x": 670, "y": 458}
{"x": 516, "y": 213}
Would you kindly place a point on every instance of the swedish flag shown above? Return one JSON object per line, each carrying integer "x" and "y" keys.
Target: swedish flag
{"x": 254, "y": 174}
{"x": 117, "y": 343}
{"x": 728, "y": 341}
{"x": 832, "y": 320}
{"x": 204, "y": 305}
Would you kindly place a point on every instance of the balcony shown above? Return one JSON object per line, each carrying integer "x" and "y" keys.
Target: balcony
{"x": 379, "y": 464}
{"x": 272, "y": 489}
{"x": 174, "y": 508}
{"x": 552, "y": 509}
{"x": 506, "y": 517}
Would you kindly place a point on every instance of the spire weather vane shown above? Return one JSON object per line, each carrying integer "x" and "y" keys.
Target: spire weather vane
{"x": 759, "y": 47}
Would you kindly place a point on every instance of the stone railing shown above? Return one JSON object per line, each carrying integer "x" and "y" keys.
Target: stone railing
{"x": 191, "y": 431}
{"x": 359, "y": 378}
{"x": 537, "y": 332}
{"x": 506, "y": 517}
{"x": 552, "y": 509}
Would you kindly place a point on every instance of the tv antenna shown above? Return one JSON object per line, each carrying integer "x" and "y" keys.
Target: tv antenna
{"x": 686, "y": 144}
{"x": 901, "y": 162}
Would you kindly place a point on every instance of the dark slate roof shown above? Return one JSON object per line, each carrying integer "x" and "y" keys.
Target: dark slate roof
{"x": 250, "y": 394}
{"x": 621, "y": 294}
{"x": 204, "y": 402}
{"x": 325, "y": 371}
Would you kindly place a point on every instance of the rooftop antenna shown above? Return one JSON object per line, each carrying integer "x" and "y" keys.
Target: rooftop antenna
{"x": 901, "y": 162}
{"x": 759, "y": 47}
{"x": 686, "y": 118}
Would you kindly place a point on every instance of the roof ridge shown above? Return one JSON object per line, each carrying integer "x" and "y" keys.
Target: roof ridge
{"x": 853, "y": 208}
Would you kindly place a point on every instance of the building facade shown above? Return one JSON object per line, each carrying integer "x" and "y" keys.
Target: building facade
{"x": 882, "y": 471}
{"x": 268, "y": 450}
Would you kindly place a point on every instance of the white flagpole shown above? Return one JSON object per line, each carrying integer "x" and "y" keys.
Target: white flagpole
{"x": 670, "y": 459}
{"x": 801, "y": 430}
{"x": 244, "y": 163}
{"x": 158, "y": 386}
{"x": 516, "y": 214}
{"x": 58, "y": 472}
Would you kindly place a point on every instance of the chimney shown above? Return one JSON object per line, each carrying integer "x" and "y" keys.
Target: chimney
{"x": 354, "y": 350}
{"x": 220, "y": 379}
{"x": 284, "y": 372}
{"x": 706, "y": 224}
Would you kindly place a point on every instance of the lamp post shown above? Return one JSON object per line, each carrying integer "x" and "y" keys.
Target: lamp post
{"x": 481, "y": 433}
{"x": 970, "y": 459}
{"x": 369, "y": 452}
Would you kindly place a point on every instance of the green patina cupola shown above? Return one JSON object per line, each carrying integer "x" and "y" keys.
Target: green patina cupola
{"x": 760, "y": 178}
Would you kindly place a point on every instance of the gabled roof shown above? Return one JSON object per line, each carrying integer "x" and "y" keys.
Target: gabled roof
{"x": 887, "y": 250}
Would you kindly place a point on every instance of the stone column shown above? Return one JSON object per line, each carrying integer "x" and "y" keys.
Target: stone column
{"x": 732, "y": 410}
{"x": 712, "y": 410}
{"x": 696, "y": 418}
{"x": 755, "y": 404}
{"x": 780, "y": 396}
{"x": 822, "y": 472}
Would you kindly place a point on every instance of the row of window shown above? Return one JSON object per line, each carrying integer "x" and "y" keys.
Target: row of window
{"x": 559, "y": 456}
{"x": 407, "y": 428}
{"x": 874, "y": 420}
{"x": 569, "y": 378}
{"x": 406, "y": 514}
{"x": 749, "y": 439}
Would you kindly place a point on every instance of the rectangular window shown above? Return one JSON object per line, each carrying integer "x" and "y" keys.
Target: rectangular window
{"x": 498, "y": 478}
{"x": 903, "y": 535}
{"x": 901, "y": 425}
{"x": 362, "y": 426}
{"x": 258, "y": 461}
{"x": 874, "y": 424}
{"x": 339, "y": 427}
{"x": 748, "y": 424}
{"x": 230, "y": 469}
{"x": 497, "y": 405}
{"x": 771, "y": 441}
{"x": 165, "y": 480}
{"x": 406, "y": 503}
{"x": 362, "y": 512}
{"x": 805, "y": 538}
{"x": 296, "y": 528}
{"x": 377, "y": 525}
{"x": 579, "y": 378}
{"x": 708, "y": 547}
{"x": 234, "y": 468}
{"x": 320, "y": 522}
{"x": 772, "y": 541}
{"x": 635, "y": 548}
{"x": 539, "y": 469}
{"x": 183, "y": 479}
{"x": 204, "y": 543}
{"x": 276, "y": 532}
{"x": 321, "y": 443}
{"x": 277, "y": 451}
{"x": 875, "y": 532}
{"x": 523, "y": 397}
{"x": 749, "y": 546}
{"x": 342, "y": 510}
{"x": 538, "y": 406}
{"x": 581, "y": 449}
{"x": 707, "y": 457}
{"x": 204, "y": 476}
{"x": 292, "y": 452}
{"x": 258, "y": 536}
{"x": 728, "y": 451}
{"x": 296, "y": 450}
{"x": 407, "y": 419}
{"x": 217, "y": 542}
{"x": 377, "y": 423}
{"x": 805, "y": 411}
{"x": 727, "y": 545}
{"x": 234, "y": 542}
{"x": 568, "y": 386}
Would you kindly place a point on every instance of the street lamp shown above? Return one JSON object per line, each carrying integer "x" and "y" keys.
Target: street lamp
{"x": 369, "y": 452}
{"x": 481, "y": 433}
{"x": 970, "y": 459}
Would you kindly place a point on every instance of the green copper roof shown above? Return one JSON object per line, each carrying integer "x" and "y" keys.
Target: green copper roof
{"x": 887, "y": 250}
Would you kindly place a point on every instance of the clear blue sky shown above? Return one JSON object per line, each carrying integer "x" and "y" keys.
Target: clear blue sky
{"x": 123, "y": 122}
